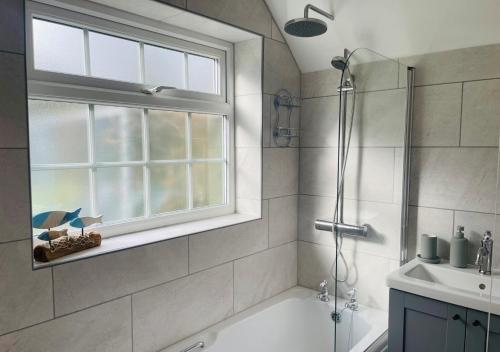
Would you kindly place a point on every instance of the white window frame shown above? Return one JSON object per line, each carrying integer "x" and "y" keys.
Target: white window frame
{"x": 53, "y": 86}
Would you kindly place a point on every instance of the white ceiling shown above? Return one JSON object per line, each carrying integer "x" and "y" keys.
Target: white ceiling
{"x": 394, "y": 28}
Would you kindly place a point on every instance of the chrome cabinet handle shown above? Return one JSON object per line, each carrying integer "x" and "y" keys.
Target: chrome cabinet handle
{"x": 199, "y": 344}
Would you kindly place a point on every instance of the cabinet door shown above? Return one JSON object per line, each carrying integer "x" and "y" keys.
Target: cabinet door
{"x": 419, "y": 324}
{"x": 477, "y": 323}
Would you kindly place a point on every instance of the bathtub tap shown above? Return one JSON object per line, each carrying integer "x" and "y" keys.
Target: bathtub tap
{"x": 323, "y": 291}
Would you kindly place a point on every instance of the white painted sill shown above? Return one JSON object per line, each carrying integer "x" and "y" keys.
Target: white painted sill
{"x": 142, "y": 238}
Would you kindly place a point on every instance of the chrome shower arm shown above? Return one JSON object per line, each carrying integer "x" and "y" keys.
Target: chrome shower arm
{"x": 318, "y": 10}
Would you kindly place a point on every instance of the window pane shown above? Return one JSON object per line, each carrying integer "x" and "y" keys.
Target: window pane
{"x": 168, "y": 188}
{"x": 207, "y": 136}
{"x": 58, "y": 48}
{"x": 167, "y": 134}
{"x": 60, "y": 190}
{"x": 163, "y": 67}
{"x": 201, "y": 72}
{"x": 120, "y": 193}
{"x": 113, "y": 58}
{"x": 208, "y": 181}
{"x": 118, "y": 133}
{"x": 58, "y": 132}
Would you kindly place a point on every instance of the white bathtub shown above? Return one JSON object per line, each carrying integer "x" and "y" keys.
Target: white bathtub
{"x": 294, "y": 321}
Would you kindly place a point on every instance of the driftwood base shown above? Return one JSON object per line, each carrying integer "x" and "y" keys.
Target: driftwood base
{"x": 66, "y": 245}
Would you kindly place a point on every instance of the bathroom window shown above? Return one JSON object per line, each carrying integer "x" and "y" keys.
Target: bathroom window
{"x": 101, "y": 142}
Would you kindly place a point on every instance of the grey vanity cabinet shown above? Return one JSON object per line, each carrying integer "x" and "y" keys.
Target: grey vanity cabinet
{"x": 420, "y": 324}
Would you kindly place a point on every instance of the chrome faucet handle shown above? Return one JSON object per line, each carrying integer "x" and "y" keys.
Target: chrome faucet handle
{"x": 323, "y": 294}
{"x": 353, "y": 294}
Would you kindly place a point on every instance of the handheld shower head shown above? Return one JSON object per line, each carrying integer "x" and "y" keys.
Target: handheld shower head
{"x": 306, "y": 27}
{"x": 339, "y": 63}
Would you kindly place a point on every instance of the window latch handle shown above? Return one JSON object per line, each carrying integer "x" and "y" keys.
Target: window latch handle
{"x": 155, "y": 90}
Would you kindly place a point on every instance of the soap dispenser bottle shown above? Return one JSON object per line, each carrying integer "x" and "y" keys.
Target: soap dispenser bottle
{"x": 458, "y": 249}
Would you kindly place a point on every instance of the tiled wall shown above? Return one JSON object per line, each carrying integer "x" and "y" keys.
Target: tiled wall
{"x": 373, "y": 178}
{"x": 455, "y": 145}
{"x": 454, "y": 163}
{"x": 145, "y": 298}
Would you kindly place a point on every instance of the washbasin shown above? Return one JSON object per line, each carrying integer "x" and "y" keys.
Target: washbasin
{"x": 461, "y": 286}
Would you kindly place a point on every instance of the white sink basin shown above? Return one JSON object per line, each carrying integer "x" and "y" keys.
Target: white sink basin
{"x": 464, "y": 287}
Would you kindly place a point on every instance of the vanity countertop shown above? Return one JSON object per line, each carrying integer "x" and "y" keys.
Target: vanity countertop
{"x": 464, "y": 287}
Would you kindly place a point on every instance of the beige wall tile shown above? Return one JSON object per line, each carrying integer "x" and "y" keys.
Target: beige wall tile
{"x": 281, "y": 172}
{"x": 248, "y": 67}
{"x": 168, "y": 313}
{"x": 266, "y": 120}
{"x": 249, "y": 166}
{"x": 280, "y": 69}
{"x": 367, "y": 274}
{"x": 431, "y": 221}
{"x": 276, "y": 33}
{"x": 320, "y": 83}
{"x": 319, "y": 122}
{"x": 248, "y": 120}
{"x": 222, "y": 245}
{"x": 481, "y": 113}
{"x": 379, "y": 119}
{"x": 314, "y": 263}
{"x": 13, "y": 114}
{"x": 26, "y": 295}
{"x": 15, "y": 209}
{"x": 264, "y": 275}
{"x": 369, "y": 174}
{"x": 436, "y": 116}
{"x": 318, "y": 171}
{"x": 248, "y": 14}
{"x": 12, "y": 26}
{"x": 454, "y": 178}
{"x": 455, "y": 65}
{"x": 104, "y": 328}
{"x": 84, "y": 283}
{"x": 282, "y": 220}
{"x": 310, "y": 209}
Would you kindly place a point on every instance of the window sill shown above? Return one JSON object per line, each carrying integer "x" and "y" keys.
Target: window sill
{"x": 137, "y": 239}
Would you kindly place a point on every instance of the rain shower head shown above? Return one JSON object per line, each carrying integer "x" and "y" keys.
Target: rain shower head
{"x": 308, "y": 27}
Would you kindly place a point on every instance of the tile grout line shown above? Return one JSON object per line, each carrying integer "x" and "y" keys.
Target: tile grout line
{"x": 53, "y": 294}
{"x": 132, "y": 323}
{"x": 461, "y": 117}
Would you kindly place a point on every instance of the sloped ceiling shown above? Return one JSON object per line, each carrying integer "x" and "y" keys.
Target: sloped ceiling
{"x": 394, "y": 28}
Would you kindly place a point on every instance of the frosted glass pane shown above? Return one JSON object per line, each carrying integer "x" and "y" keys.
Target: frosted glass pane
{"x": 201, "y": 74}
{"x": 168, "y": 188}
{"x": 113, "y": 58}
{"x": 120, "y": 193}
{"x": 167, "y": 134}
{"x": 207, "y": 136}
{"x": 58, "y": 48}
{"x": 118, "y": 133}
{"x": 58, "y": 132}
{"x": 208, "y": 184}
{"x": 60, "y": 190}
{"x": 164, "y": 67}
